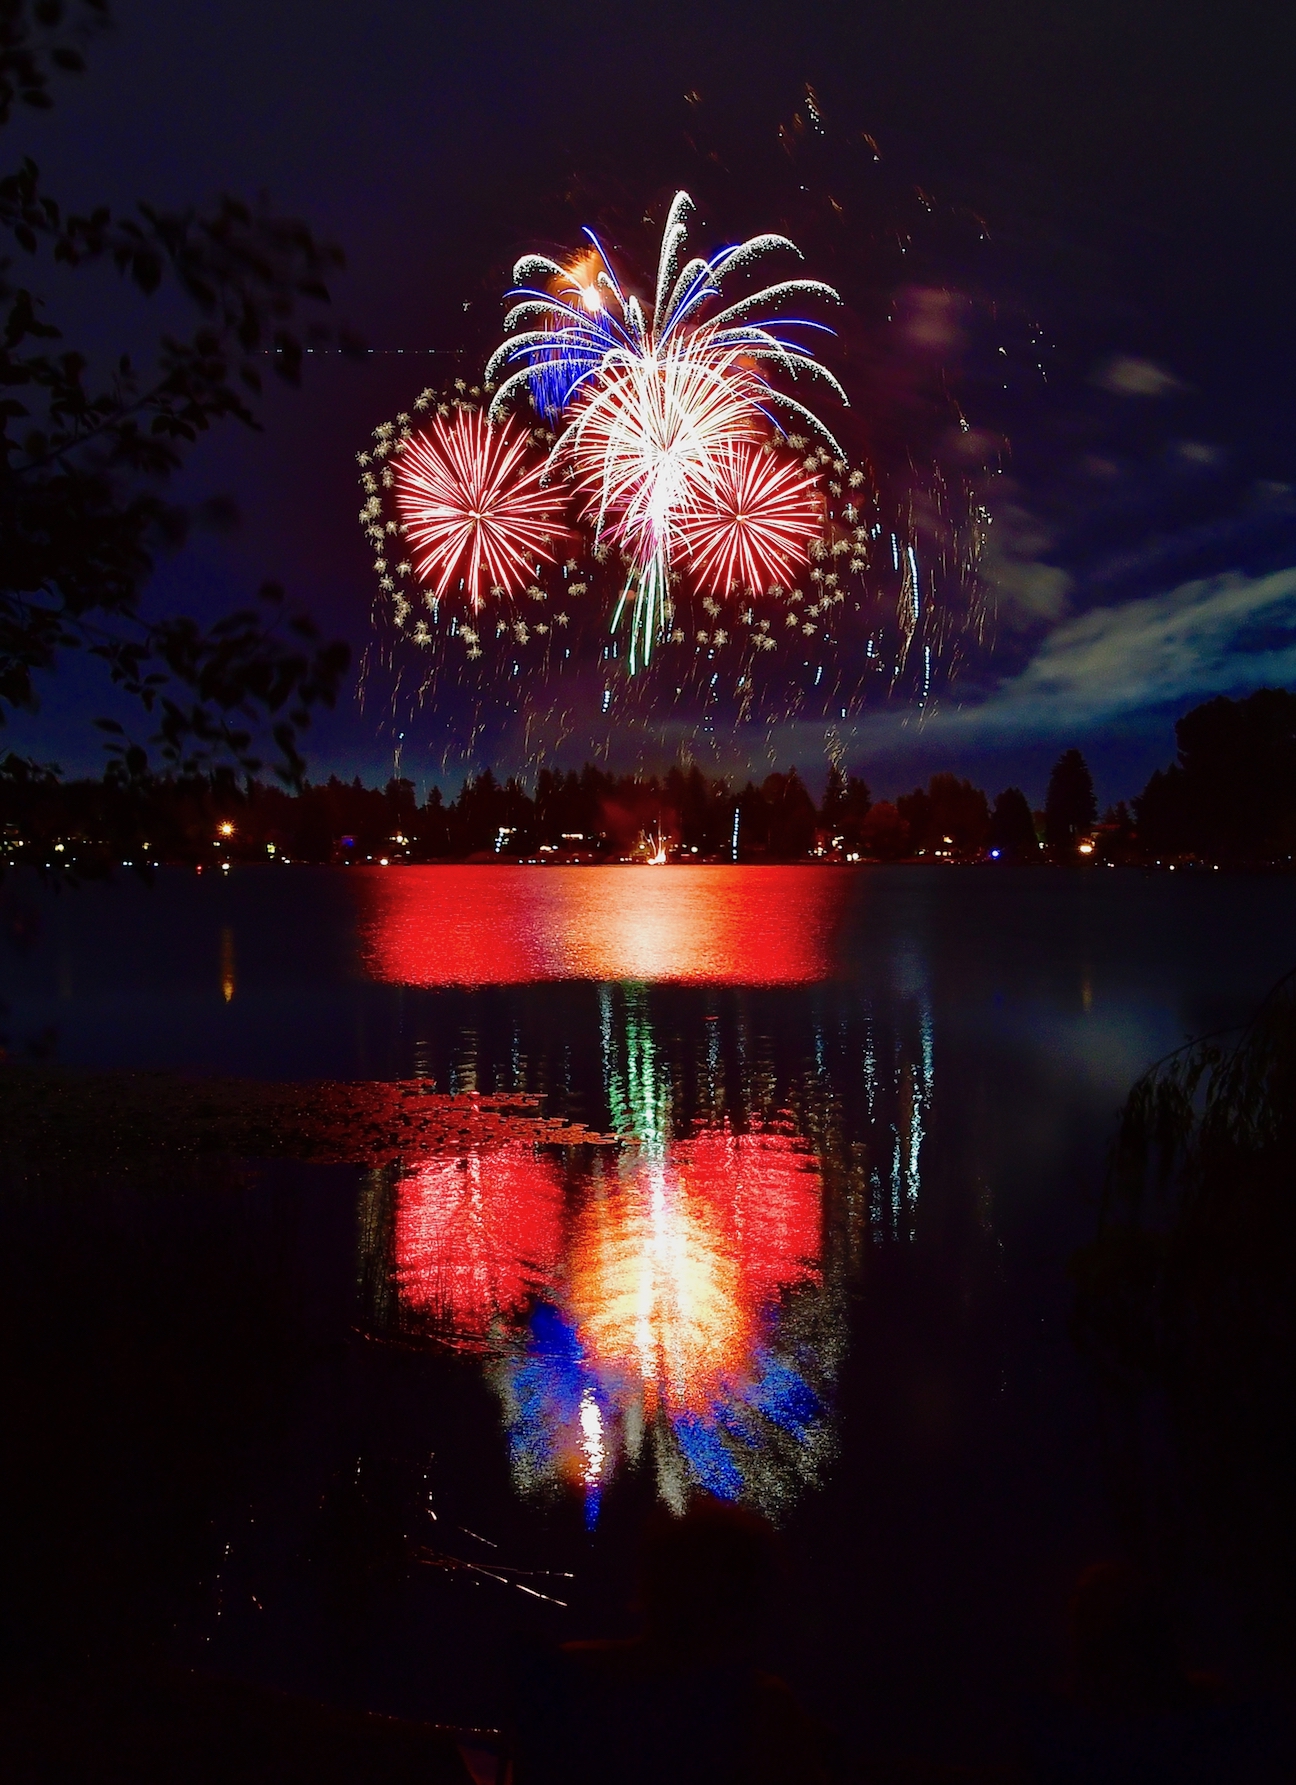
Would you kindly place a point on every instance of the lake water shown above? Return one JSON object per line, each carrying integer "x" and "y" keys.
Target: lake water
{"x": 389, "y": 1422}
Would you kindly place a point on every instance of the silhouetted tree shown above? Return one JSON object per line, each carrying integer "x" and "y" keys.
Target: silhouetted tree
{"x": 1117, "y": 839}
{"x": 1012, "y": 827}
{"x": 884, "y": 833}
{"x": 915, "y": 812}
{"x": 960, "y": 813}
{"x": 1070, "y": 809}
{"x": 703, "y": 810}
{"x": 791, "y": 815}
{"x": 950, "y": 815}
{"x": 402, "y": 804}
{"x": 753, "y": 822}
{"x": 1231, "y": 796}
{"x": 84, "y": 462}
{"x": 846, "y": 804}
{"x": 433, "y": 830}
{"x": 477, "y": 815}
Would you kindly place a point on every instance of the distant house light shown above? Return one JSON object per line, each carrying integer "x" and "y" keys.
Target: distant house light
{"x": 994, "y": 855}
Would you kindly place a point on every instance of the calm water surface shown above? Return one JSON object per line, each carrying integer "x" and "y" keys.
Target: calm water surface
{"x": 855, "y": 1122}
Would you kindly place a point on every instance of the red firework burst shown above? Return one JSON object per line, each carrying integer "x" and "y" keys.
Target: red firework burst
{"x": 754, "y": 523}
{"x": 471, "y": 508}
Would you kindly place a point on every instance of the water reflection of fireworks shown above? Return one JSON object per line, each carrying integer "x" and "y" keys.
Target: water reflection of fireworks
{"x": 669, "y": 1309}
{"x": 670, "y": 1327}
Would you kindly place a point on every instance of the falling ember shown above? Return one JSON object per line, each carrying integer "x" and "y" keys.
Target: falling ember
{"x": 473, "y": 511}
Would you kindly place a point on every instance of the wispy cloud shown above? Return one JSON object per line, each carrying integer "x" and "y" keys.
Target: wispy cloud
{"x": 1112, "y": 671}
{"x": 1215, "y": 635}
{"x": 1126, "y": 375}
{"x": 1028, "y": 589}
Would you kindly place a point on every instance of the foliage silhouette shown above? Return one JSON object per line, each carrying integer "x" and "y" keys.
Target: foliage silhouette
{"x": 1190, "y": 1283}
{"x": 950, "y": 814}
{"x": 1012, "y": 827}
{"x": 38, "y": 40}
{"x": 846, "y": 804}
{"x": 85, "y": 456}
{"x": 1231, "y": 796}
{"x": 1070, "y": 810}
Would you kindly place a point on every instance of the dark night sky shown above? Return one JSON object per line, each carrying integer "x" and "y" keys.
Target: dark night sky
{"x": 1134, "y": 164}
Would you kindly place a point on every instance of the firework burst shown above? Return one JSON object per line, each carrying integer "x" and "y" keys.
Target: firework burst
{"x": 652, "y": 400}
{"x": 755, "y": 523}
{"x": 648, "y": 443}
{"x": 473, "y": 511}
{"x": 891, "y": 602}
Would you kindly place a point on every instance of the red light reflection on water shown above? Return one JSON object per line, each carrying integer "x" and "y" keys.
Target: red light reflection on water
{"x": 481, "y": 925}
{"x": 474, "y": 1233}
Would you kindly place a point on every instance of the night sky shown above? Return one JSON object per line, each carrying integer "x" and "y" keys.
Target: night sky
{"x": 1075, "y": 232}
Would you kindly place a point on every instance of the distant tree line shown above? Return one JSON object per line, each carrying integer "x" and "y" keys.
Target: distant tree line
{"x": 1230, "y": 797}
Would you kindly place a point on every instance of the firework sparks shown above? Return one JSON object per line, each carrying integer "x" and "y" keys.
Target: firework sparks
{"x": 890, "y": 604}
{"x": 754, "y": 524}
{"x": 655, "y": 399}
{"x": 473, "y": 511}
{"x": 586, "y": 318}
{"x": 647, "y": 443}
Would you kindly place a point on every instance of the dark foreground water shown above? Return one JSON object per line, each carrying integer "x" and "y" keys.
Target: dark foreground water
{"x": 355, "y": 1433}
